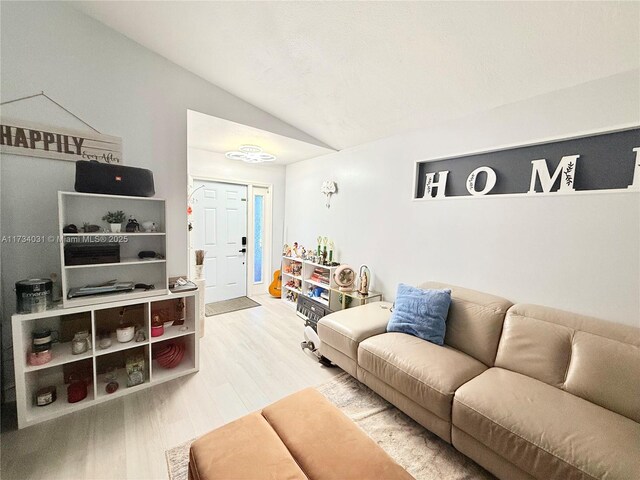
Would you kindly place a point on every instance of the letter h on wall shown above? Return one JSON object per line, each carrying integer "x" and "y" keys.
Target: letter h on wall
{"x": 431, "y": 183}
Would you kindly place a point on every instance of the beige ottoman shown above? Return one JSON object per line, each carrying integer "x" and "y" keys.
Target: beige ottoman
{"x": 301, "y": 437}
{"x": 341, "y": 332}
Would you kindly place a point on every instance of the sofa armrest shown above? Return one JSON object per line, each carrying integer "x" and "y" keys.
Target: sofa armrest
{"x": 344, "y": 330}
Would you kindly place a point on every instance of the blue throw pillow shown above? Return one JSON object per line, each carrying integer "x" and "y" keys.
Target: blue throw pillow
{"x": 421, "y": 313}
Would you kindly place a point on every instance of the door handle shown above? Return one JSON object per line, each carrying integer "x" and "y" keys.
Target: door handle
{"x": 244, "y": 250}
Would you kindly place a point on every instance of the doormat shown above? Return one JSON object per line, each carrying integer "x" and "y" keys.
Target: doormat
{"x": 420, "y": 452}
{"x": 226, "y": 306}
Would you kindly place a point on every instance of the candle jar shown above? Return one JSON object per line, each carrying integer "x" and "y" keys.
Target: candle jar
{"x": 104, "y": 339}
{"x": 45, "y": 396}
{"x": 77, "y": 389}
{"x": 81, "y": 342}
{"x": 39, "y": 358}
{"x": 42, "y": 338}
{"x": 157, "y": 326}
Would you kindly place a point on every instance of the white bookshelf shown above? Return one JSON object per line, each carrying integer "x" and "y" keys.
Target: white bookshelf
{"x": 79, "y": 208}
{"x": 290, "y": 293}
{"x": 305, "y": 281}
{"x": 96, "y": 318}
{"x": 335, "y": 299}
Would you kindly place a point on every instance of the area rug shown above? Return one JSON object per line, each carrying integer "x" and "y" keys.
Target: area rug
{"x": 226, "y": 306}
{"x": 423, "y": 454}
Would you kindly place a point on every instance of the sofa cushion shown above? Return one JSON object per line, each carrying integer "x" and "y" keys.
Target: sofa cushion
{"x": 421, "y": 313}
{"x": 596, "y": 360}
{"x": 545, "y": 431}
{"x": 230, "y": 452}
{"x": 536, "y": 348}
{"x": 345, "y": 329}
{"x": 424, "y": 417}
{"x": 605, "y": 372}
{"x": 474, "y": 322}
{"x": 325, "y": 443}
{"x": 426, "y": 373}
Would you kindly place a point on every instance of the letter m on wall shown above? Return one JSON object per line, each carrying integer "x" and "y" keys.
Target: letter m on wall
{"x": 566, "y": 170}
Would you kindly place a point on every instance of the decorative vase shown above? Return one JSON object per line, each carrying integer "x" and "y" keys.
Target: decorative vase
{"x": 199, "y": 272}
{"x": 116, "y": 227}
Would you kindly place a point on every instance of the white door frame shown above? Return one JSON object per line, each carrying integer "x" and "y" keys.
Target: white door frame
{"x": 251, "y": 288}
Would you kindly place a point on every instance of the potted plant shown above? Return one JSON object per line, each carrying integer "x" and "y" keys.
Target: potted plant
{"x": 199, "y": 264}
{"x": 115, "y": 219}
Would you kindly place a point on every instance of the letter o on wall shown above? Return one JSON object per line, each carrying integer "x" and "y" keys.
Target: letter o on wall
{"x": 488, "y": 186}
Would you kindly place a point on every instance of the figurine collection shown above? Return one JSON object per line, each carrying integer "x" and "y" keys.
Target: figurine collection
{"x": 322, "y": 255}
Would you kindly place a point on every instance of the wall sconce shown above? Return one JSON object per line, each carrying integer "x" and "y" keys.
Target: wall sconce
{"x": 329, "y": 188}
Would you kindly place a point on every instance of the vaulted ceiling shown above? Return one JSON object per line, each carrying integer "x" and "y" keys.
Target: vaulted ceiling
{"x": 219, "y": 135}
{"x": 351, "y": 72}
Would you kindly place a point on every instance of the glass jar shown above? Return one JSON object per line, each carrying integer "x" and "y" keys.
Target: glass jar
{"x": 81, "y": 342}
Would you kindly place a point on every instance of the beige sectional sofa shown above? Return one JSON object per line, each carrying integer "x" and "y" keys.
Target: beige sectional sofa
{"x": 525, "y": 391}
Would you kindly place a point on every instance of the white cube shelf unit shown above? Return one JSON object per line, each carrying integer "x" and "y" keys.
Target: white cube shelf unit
{"x": 305, "y": 281}
{"x": 291, "y": 281}
{"x": 80, "y": 208}
{"x": 93, "y": 364}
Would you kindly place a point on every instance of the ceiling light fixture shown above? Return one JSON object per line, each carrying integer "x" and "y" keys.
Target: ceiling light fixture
{"x": 250, "y": 154}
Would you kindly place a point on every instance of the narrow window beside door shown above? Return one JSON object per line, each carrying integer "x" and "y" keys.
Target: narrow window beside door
{"x": 258, "y": 240}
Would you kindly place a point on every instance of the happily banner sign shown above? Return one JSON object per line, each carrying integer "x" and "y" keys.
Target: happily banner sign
{"x": 607, "y": 161}
{"x": 22, "y": 138}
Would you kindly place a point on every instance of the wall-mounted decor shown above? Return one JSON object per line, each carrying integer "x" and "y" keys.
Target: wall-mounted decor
{"x": 33, "y": 140}
{"x": 601, "y": 162}
{"x": 328, "y": 188}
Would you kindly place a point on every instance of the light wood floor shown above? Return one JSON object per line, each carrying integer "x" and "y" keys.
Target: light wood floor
{"x": 248, "y": 359}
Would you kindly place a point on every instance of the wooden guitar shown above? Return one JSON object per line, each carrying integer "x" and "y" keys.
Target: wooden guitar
{"x": 275, "y": 289}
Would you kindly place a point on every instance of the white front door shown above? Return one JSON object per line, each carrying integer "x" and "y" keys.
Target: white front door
{"x": 220, "y": 229}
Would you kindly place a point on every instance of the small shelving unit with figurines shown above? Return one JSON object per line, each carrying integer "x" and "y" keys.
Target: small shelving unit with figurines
{"x": 311, "y": 273}
{"x": 292, "y": 266}
{"x": 308, "y": 272}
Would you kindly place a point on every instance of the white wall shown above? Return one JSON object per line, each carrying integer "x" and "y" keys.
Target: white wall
{"x": 121, "y": 89}
{"x": 575, "y": 253}
{"x": 213, "y": 165}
